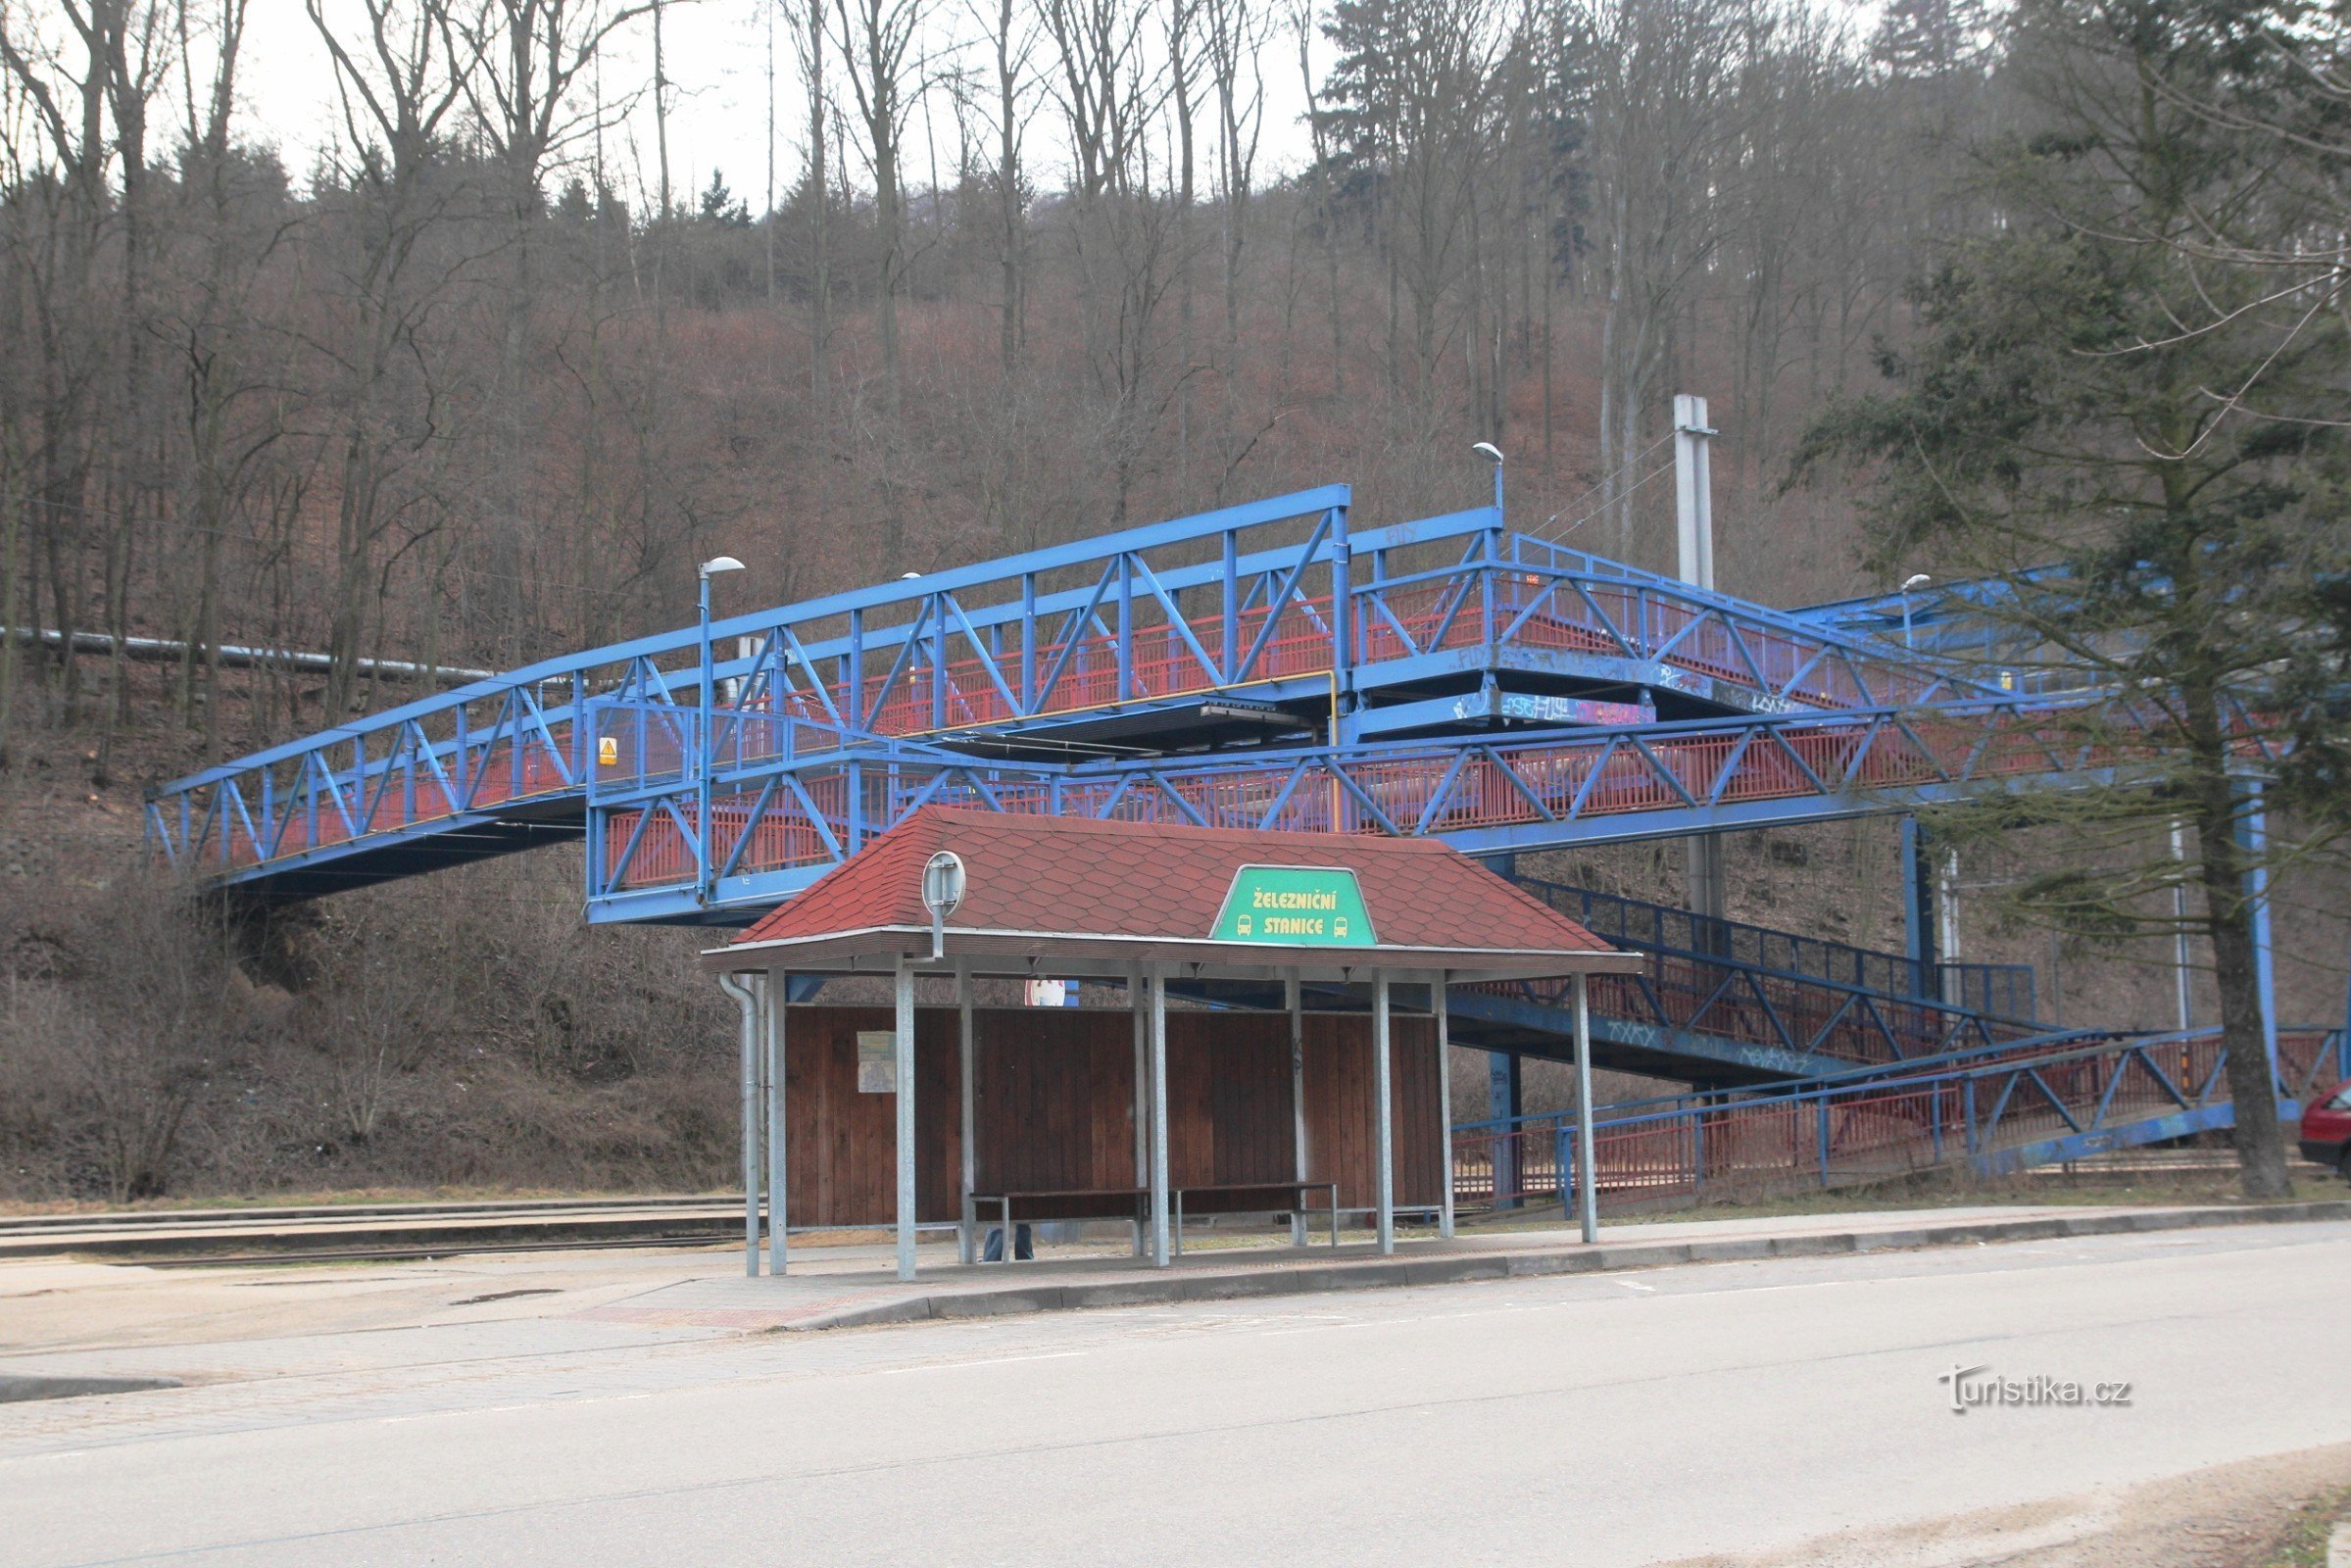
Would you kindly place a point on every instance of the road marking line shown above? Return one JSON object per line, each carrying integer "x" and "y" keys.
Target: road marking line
{"x": 993, "y": 1360}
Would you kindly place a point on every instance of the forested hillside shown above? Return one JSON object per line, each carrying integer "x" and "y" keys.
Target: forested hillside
{"x": 474, "y": 387}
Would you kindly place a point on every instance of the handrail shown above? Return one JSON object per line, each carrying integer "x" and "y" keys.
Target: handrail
{"x": 1591, "y": 907}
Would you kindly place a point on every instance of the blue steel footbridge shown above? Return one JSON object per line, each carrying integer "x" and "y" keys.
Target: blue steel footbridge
{"x": 1268, "y": 665}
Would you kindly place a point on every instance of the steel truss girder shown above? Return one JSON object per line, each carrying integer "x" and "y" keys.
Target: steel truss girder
{"x": 1534, "y": 789}
{"x": 233, "y": 821}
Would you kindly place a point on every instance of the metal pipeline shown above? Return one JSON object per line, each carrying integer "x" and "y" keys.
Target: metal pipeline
{"x": 747, "y": 1000}
{"x": 158, "y": 649}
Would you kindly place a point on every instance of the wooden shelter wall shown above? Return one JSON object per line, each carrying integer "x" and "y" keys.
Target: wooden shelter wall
{"x": 1054, "y": 1109}
{"x": 841, "y": 1146}
{"x": 1342, "y": 1144}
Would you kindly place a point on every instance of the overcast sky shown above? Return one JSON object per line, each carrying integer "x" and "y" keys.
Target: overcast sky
{"x": 717, "y": 51}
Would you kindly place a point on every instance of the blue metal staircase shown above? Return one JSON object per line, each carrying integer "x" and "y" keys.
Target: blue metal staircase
{"x": 2063, "y": 1098}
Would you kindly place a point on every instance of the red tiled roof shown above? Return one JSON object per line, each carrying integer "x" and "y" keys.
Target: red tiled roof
{"x": 1146, "y": 880}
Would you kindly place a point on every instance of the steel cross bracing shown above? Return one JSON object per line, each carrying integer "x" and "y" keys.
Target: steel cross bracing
{"x": 1177, "y": 639}
{"x": 787, "y": 817}
{"x": 1981, "y": 624}
{"x": 2072, "y": 1099}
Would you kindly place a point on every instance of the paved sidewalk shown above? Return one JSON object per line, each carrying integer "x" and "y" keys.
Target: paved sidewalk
{"x": 856, "y": 1286}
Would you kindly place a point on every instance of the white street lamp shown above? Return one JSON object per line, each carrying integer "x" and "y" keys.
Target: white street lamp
{"x": 1494, "y": 455}
{"x": 1914, "y": 580}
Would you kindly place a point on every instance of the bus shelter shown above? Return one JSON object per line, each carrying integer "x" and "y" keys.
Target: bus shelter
{"x": 1250, "y": 924}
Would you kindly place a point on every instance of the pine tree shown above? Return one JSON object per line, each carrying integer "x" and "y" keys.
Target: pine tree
{"x": 2108, "y": 391}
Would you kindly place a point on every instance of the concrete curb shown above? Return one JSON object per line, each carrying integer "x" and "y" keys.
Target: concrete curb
{"x": 1390, "y": 1273}
{"x": 15, "y": 1387}
{"x": 419, "y": 1238}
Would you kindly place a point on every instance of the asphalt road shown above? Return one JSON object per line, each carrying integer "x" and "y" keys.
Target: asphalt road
{"x": 1617, "y": 1419}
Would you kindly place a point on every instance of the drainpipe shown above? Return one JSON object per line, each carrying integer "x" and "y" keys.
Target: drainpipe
{"x": 748, "y": 1000}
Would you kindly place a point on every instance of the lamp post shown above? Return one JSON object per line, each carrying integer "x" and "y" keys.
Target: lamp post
{"x": 702, "y": 737}
{"x": 1494, "y": 455}
{"x": 1914, "y": 580}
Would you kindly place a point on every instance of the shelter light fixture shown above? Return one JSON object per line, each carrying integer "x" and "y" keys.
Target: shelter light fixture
{"x": 943, "y": 884}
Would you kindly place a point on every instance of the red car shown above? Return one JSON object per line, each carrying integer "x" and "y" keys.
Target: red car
{"x": 2327, "y": 1128}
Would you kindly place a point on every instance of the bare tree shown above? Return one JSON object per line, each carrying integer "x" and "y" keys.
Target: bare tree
{"x": 879, "y": 41}
{"x": 1665, "y": 121}
{"x": 398, "y": 79}
{"x": 521, "y": 74}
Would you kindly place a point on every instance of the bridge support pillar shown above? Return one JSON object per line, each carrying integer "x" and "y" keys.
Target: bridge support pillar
{"x": 1917, "y": 909}
{"x": 1709, "y": 906}
{"x": 1506, "y": 1098}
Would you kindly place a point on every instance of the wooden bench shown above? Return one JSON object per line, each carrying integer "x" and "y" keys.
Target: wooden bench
{"x": 1295, "y": 1191}
{"x": 1134, "y": 1203}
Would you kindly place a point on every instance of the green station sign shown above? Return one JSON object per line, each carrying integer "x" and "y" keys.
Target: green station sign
{"x": 1294, "y": 907}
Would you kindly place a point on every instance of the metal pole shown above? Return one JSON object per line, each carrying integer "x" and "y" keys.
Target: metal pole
{"x": 1587, "y": 1194}
{"x": 905, "y": 1121}
{"x": 1159, "y": 1076}
{"x": 747, "y": 1002}
{"x": 1693, "y": 493}
{"x": 1297, "y": 1097}
{"x": 2253, "y": 834}
{"x": 1946, "y": 927}
{"x": 1693, "y": 563}
{"x": 1504, "y": 1103}
{"x": 1445, "y": 1103}
{"x": 702, "y": 750}
{"x": 1137, "y": 1005}
{"x": 1385, "y": 1109}
{"x": 2179, "y": 942}
{"x": 1918, "y": 910}
{"x": 776, "y": 990}
{"x": 969, "y": 1060}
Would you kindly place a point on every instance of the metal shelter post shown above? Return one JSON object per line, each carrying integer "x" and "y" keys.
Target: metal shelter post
{"x": 904, "y": 1063}
{"x": 1445, "y": 1106}
{"x": 1159, "y": 1140}
{"x": 1139, "y": 1005}
{"x": 967, "y": 1059}
{"x": 1587, "y": 1196}
{"x": 775, "y": 995}
{"x": 747, "y": 1028}
{"x": 1384, "y": 1111}
{"x": 1297, "y": 1097}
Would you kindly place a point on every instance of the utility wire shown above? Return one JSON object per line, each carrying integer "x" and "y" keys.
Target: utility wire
{"x": 1600, "y": 484}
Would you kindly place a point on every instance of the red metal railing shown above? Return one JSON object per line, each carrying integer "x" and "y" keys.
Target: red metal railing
{"x": 1436, "y": 791}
